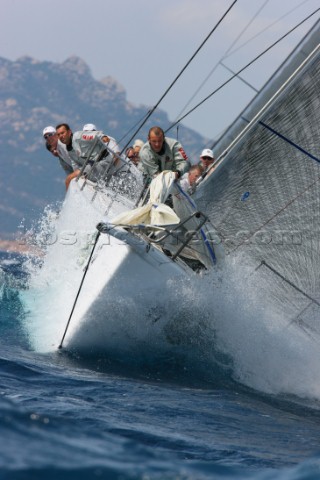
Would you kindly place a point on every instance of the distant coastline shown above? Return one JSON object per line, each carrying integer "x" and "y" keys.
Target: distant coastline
{"x": 18, "y": 246}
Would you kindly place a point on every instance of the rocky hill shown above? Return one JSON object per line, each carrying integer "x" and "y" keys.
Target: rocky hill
{"x": 35, "y": 94}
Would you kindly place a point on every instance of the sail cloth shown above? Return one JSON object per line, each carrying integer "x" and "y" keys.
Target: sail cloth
{"x": 264, "y": 199}
{"x": 155, "y": 212}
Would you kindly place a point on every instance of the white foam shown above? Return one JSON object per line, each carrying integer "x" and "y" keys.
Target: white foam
{"x": 229, "y": 311}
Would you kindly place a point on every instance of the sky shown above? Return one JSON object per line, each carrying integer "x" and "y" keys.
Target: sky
{"x": 145, "y": 44}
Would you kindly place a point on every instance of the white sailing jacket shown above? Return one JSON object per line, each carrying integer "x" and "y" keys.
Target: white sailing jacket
{"x": 92, "y": 150}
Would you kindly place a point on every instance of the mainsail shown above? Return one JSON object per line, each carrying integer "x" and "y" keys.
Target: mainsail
{"x": 264, "y": 196}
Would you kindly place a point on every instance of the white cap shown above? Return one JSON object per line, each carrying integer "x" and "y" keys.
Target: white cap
{"x": 207, "y": 153}
{"x": 138, "y": 143}
{"x": 48, "y": 130}
{"x": 89, "y": 127}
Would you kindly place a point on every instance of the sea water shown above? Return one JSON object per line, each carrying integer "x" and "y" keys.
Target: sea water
{"x": 249, "y": 408}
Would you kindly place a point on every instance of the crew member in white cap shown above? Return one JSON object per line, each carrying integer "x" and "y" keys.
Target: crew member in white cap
{"x": 48, "y": 132}
{"x": 89, "y": 127}
{"x": 51, "y": 138}
{"x": 206, "y": 158}
{"x": 58, "y": 150}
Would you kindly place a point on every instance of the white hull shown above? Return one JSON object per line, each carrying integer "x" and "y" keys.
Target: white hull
{"x": 122, "y": 296}
{"x": 125, "y": 297}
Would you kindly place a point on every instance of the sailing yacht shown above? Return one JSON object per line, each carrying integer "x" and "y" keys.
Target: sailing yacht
{"x": 259, "y": 204}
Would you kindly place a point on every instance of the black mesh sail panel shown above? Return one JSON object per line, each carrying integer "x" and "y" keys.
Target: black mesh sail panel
{"x": 263, "y": 198}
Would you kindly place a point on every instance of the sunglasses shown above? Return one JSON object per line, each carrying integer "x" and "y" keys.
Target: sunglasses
{"x": 47, "y": 135}
{"x": 207, "y": 158}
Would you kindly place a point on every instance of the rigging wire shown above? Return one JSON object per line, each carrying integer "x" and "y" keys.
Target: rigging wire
{"x": 179, "y": 75}
{"x": 225, "y": 55}
{"x": 130, "y": 130}
{"x": 242, "y": 69}
{"x": 266, "y": 28}
{"x": 240, "y": 78}
{"x": 240, "y": 116}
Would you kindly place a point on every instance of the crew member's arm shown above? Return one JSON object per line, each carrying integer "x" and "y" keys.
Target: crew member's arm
{"x": 70, "y": 177}
{"x": 180, "y": 160}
